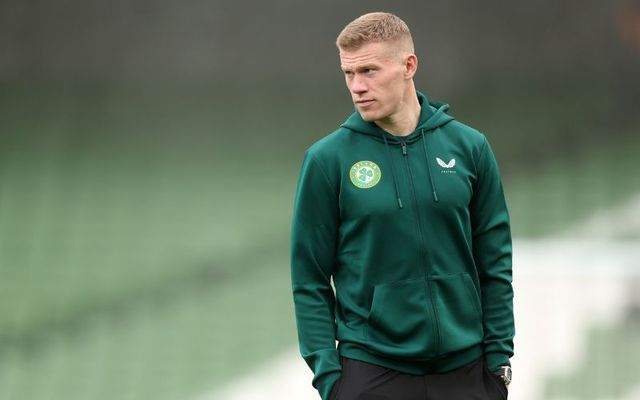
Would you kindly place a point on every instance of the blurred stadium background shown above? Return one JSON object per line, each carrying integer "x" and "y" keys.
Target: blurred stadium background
{"x": 149, "y": 152}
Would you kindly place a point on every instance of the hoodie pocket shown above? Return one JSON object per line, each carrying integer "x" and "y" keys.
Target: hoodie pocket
{"x": 399, "y": 322}
{"x": 459, "y": 312}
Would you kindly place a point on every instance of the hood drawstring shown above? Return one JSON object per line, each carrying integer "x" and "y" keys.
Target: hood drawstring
{"x": 426, "y": 154}
{"x": 393, "y": 171}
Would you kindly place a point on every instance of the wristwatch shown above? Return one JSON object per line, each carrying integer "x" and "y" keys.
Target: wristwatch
{"x": 504, "y": 372}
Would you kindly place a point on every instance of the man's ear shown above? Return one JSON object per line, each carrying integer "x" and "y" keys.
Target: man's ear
{"x": 410, "y": 65}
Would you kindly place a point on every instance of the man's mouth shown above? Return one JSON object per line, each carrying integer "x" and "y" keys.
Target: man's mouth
{"x": 364, "y": 103}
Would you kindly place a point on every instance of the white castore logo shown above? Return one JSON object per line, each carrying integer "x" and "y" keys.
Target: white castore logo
{"x": 450, "y": 164}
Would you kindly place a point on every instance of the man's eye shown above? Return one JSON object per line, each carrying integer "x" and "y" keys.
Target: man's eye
{"x": 368, "y": 71}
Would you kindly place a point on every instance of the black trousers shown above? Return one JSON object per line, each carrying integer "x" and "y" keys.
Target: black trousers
{"x": 363, "y": 381}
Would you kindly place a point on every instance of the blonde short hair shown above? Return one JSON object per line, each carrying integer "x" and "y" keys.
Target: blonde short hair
{"x": 375, "y": 27}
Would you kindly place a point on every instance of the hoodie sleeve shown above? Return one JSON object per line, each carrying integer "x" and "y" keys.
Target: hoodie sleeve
{"x": 492, "y": 253}
{"x": 313, "y": 259}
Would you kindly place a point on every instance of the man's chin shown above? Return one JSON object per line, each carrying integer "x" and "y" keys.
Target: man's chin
{"x": 367, "y": 116}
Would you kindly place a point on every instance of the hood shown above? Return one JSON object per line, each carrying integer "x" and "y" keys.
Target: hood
{"x": 432, "y": 115}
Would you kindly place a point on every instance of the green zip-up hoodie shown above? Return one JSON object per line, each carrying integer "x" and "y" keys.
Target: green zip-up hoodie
{"x": 414, "y": 231}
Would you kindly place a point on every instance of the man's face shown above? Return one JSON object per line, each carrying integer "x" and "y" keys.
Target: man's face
{"x": 376, "y": 78}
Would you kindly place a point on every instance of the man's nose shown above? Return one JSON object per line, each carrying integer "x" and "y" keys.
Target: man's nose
{"x": 358, "y": 85}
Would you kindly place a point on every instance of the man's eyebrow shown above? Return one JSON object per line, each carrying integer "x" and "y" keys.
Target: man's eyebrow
{"x": 359, "y": 67}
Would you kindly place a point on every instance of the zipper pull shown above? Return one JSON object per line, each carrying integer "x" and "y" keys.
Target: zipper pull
{"x": 404, "y": 148}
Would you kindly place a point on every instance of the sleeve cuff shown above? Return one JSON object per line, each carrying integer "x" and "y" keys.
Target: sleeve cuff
{"x": 325, "y": 384}
{"x": 496, "y": 360}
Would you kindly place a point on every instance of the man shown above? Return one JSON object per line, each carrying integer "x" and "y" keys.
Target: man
{"x": 403, "y": 208}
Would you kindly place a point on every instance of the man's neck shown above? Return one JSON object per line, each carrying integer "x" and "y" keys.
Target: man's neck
{"x": 405, "y": 121}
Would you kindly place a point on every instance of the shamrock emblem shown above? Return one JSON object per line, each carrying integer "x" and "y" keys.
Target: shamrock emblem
{"x": 365, "y": 174}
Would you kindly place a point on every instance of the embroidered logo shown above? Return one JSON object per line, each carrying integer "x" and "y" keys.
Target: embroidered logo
{"x": 365, "y": 174}
{"x": 450, "y": 164}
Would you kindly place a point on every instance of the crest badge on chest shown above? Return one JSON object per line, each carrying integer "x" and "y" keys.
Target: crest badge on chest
{"x": 365, "y": 174}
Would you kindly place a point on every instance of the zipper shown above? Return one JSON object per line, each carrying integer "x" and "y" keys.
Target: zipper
{"x": 423, "y": 253}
